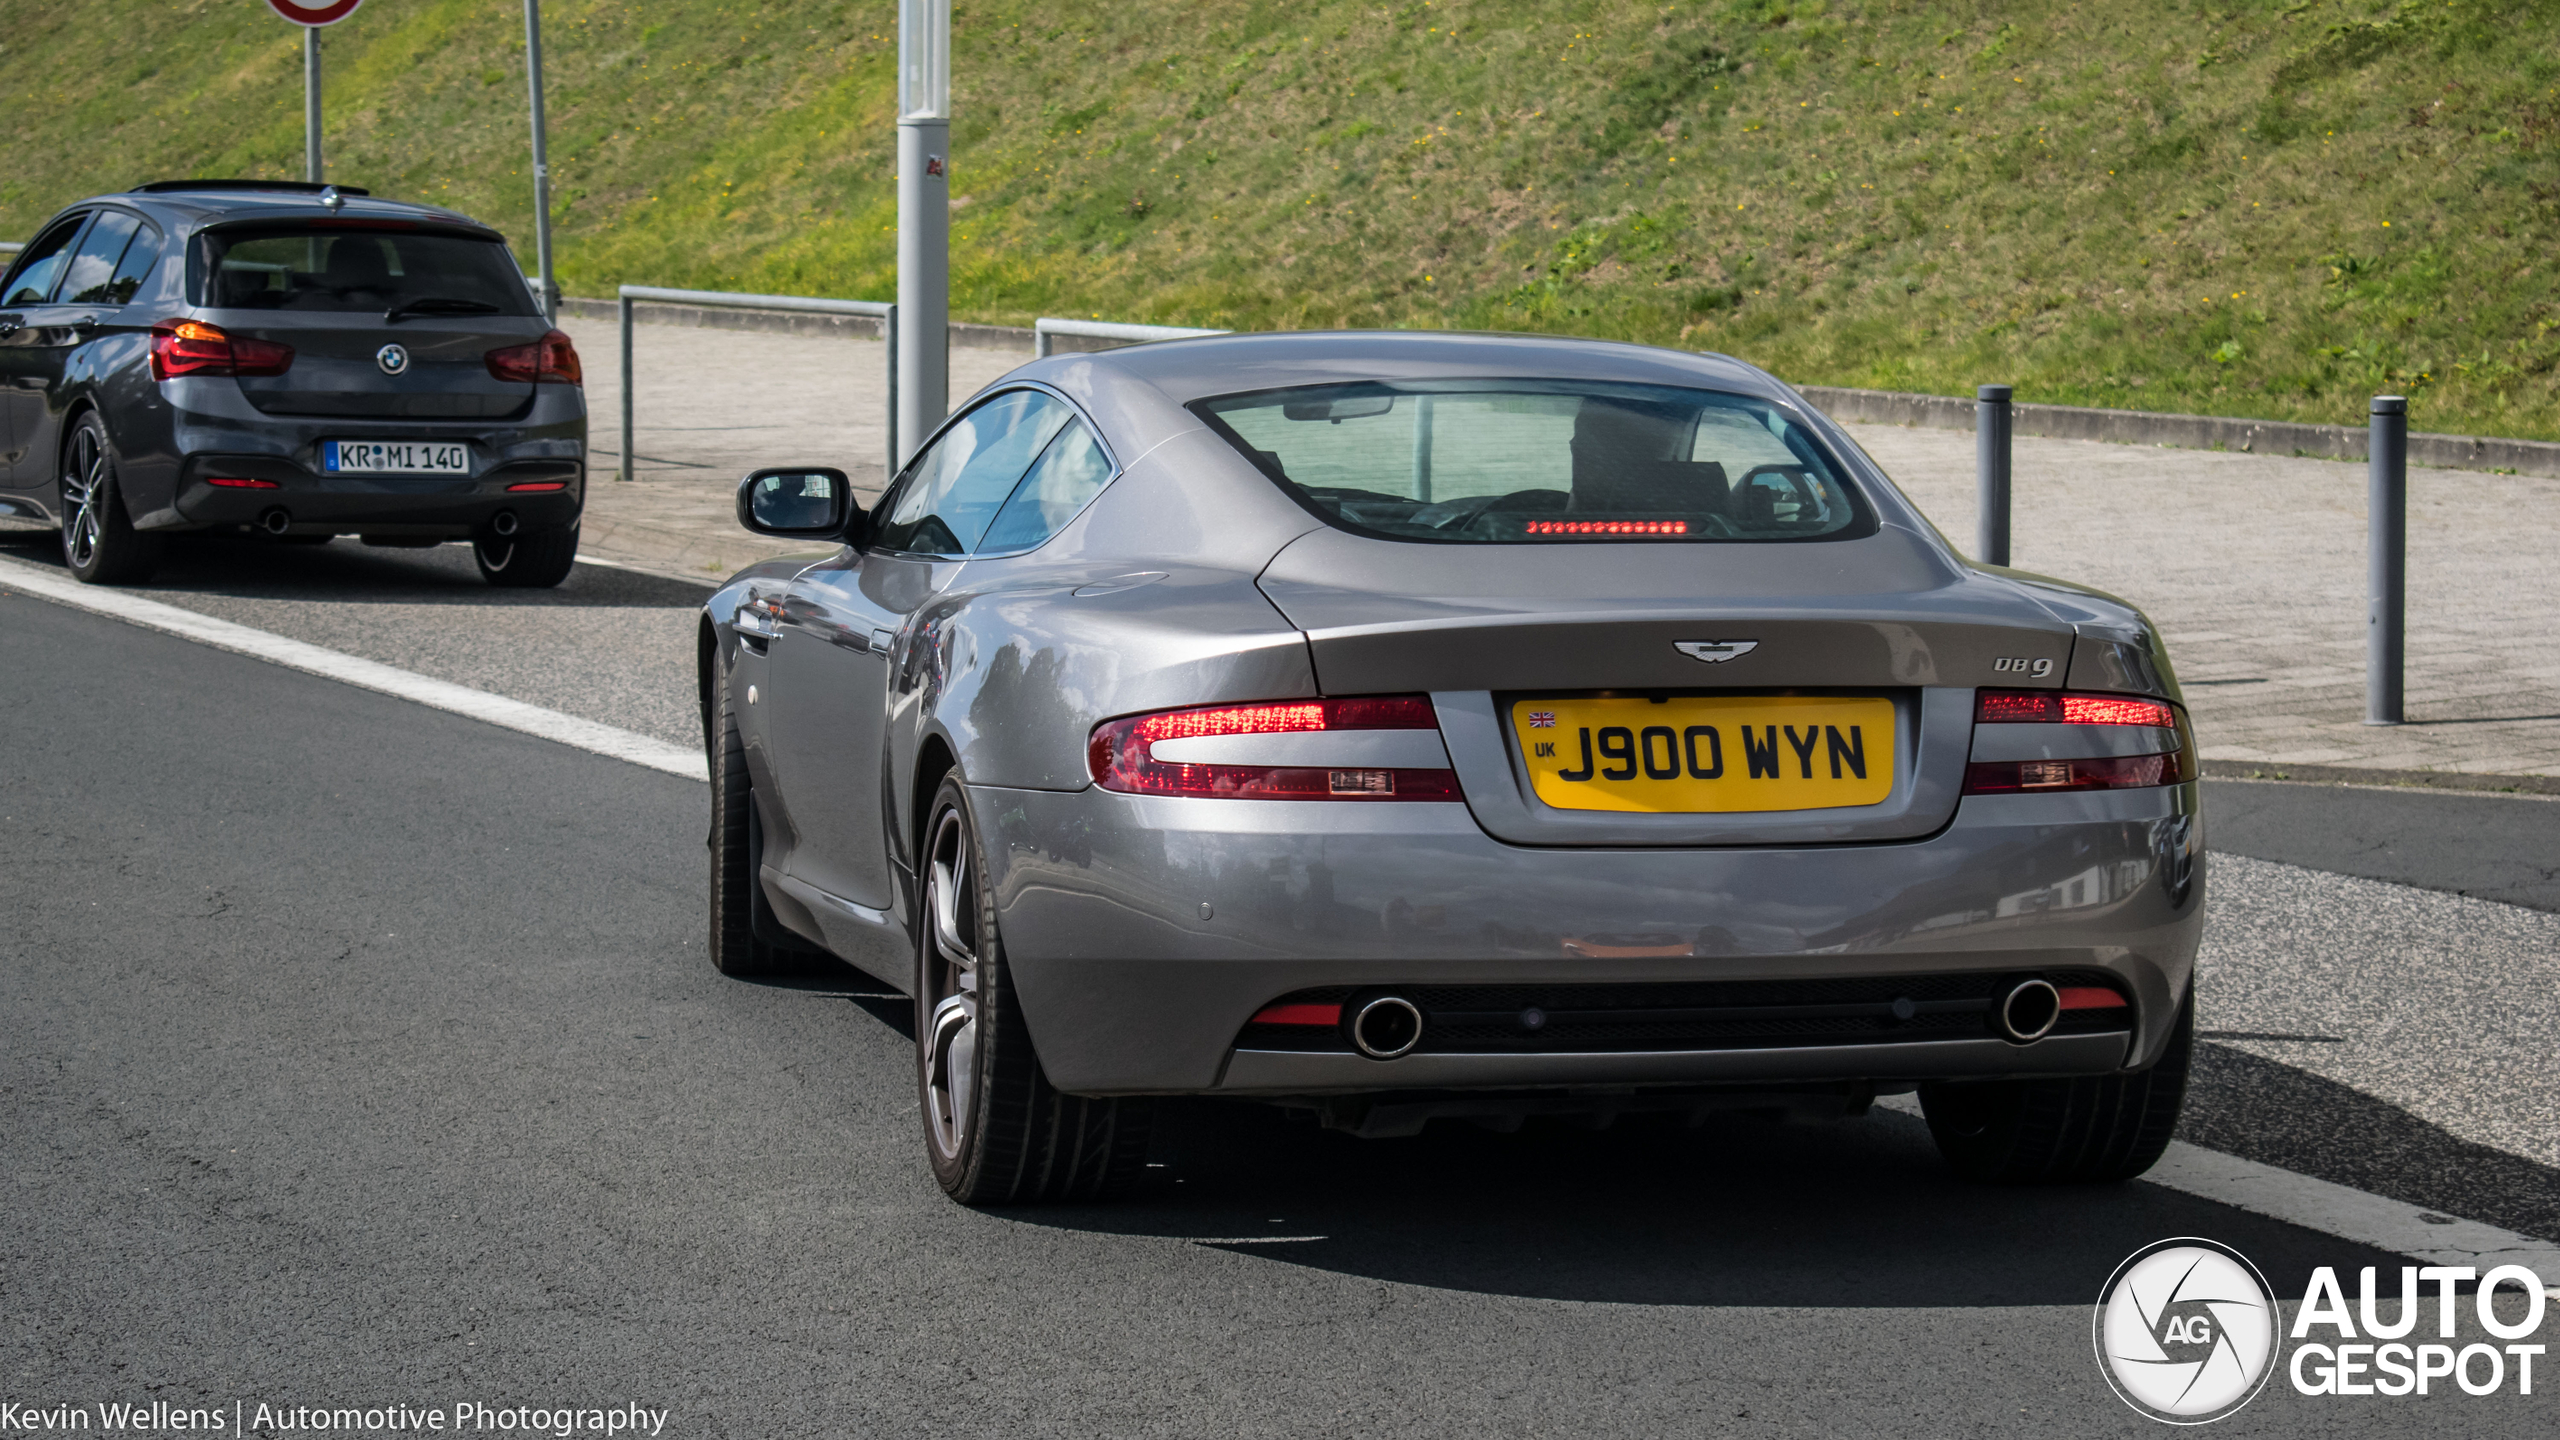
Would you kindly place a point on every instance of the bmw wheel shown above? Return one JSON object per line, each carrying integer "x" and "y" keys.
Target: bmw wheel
{"x": 996, "y": 1131}
{"x": 99, "y": 543}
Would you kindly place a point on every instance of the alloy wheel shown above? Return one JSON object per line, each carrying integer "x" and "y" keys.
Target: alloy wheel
{"x": 84, "y": 473}
{"x": 947, "y": 998}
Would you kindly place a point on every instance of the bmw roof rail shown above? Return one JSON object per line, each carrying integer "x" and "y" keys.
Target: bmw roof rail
{"x": 297, "y": 187}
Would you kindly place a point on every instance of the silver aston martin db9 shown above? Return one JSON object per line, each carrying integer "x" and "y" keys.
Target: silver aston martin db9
{"x": 1403, "y": 726}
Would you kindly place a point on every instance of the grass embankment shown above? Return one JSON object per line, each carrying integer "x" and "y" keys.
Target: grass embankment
{"x": 2254, "y": 207}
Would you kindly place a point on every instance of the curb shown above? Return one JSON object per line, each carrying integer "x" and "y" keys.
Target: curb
{"x": 1872, "y": 407}
{"x": 2274, "y": 771}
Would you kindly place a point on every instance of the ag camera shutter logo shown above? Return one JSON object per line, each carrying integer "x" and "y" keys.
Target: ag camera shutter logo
{"x": 2186, "y": 1331}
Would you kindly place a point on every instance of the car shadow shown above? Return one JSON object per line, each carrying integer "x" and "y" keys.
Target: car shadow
{"x": 1736, "y": 1212}
{"x": 2260, "y": 1109}
{"x": 1740, "y": 1211}
{"x": 349, "y": 572}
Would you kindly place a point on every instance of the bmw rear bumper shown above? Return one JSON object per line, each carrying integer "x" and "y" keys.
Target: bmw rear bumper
{"x": 216, "y": 432}
{"x": 1144, "y": 932}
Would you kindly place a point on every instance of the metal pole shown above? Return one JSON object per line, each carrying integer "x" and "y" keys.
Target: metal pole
{"x": 630, "y": 466}
{"x": 924, "y": 279}
{"x": 889, "y": 329}
{"x": 542, "y": 169}
{"x": 2386, "y": 558}
{"x": 924, "y": 219}
{"x": 1991, "y": 474}
{"x": 311, "y": 103}
{"x": 1422, "y": 448}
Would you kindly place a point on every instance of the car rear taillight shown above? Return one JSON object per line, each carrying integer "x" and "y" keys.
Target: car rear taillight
{"x": 2053, "y": 707}
{"x": 2173, "y": 764}
{"x": 192, "y": 347}
{"x": 551, "y": 359}
{"x": 1122, "y": 754}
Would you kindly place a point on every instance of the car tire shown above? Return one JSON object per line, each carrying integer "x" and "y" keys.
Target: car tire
{"x": 531, "y": 560}
{"x": 2079, "y": 1131}
{"x": 746, "y": 941}
{"x": 996, "y": 1131}
{"x": 99, "y": 544}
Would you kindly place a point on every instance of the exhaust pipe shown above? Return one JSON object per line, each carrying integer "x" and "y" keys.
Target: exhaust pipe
{"x": 276, "y": 521}
{"x": 1386, "y": 1027}
{"x": 503, "y": 524}
{"x": 2029, "y": 1010}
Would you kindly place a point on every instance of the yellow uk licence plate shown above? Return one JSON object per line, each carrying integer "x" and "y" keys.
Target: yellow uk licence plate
{"x": 1708, "y": 753}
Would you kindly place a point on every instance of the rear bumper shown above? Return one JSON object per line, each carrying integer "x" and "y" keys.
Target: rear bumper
{"x": 217, "y": 432}
{"x": 445, "y": 506}
{"x": 1144, "y": 932}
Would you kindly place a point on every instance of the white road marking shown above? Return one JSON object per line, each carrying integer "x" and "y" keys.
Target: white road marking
{"x": 589, "y": 735}
{"x": 2349, "y": 1214}
{"x": 2331, "y": 1209}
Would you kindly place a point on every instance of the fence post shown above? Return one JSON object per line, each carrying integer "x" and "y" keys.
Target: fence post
{"x": 2386, "y": 558}
{"x": 629, "y": 467}
{"x": 1991, "y": 474}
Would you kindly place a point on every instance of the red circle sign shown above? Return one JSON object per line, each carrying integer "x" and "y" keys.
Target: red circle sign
{"x": 323, "y": 12}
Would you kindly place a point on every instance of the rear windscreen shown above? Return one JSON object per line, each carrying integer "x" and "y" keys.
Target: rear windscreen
{"x": 303, "y": 269}
{"x": 1542, "y": 461}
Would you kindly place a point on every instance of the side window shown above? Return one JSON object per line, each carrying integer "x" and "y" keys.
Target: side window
{"x": 136, "y": 265}
{"x": 955, "y": 488}
{"x": 91, "y": 278}
{"x": 31, "y": 282}
{"x": 1069, "y": 473}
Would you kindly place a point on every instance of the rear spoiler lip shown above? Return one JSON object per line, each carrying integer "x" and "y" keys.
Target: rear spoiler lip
{"x": 292, "y": 220}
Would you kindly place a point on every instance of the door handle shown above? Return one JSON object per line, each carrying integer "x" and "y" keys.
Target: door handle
{"x": 85, "y": 323}
{"x": 883, "y": 641}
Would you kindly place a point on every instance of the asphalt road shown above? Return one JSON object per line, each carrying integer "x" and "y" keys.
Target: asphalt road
{"x": 361, "y": 1053}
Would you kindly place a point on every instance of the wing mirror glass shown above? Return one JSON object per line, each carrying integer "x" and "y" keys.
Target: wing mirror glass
{"x": 810, "y": 501}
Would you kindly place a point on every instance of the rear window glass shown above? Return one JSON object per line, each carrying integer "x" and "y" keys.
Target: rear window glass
{"x": 357, "y": 270}
{"x": 1544, "y": 461}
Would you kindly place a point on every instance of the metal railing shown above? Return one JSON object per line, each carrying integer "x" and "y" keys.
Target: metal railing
{"x": 8, "y": 249}
{"x": 882, "y": 311}
{"x": 1047, "y": 326}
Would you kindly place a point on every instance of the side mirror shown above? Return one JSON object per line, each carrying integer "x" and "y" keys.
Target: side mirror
{"x": 796, "y": 501}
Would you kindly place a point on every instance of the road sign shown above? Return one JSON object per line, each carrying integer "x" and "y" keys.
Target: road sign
{"x": 312, "y": 17}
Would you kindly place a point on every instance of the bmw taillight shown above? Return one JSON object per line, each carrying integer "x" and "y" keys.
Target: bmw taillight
{"x": 549, "y": 360}
{"x": 1123, "y": 754}
{"x": 193, "y": 347}
{"x": 2171, "y": 764}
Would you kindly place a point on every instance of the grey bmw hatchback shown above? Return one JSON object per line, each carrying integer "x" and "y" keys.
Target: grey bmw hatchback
{"x": 302, "y": 361}
{"x": 1397, "y": 727}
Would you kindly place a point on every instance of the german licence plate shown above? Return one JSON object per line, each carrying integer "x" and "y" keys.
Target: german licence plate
{"x": 1690, "y": 754}
{"x": 404, "y": 457}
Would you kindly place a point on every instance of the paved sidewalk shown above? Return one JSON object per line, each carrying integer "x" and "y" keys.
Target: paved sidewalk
{"x": 713, "y": 404}
{"x": 2253, "y": 566}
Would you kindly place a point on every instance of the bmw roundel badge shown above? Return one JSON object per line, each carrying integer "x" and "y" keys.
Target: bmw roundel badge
{"x": 392, "y": 358}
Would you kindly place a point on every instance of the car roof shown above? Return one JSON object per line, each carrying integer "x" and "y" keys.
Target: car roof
{"x": 229, "y": 201}
{"x": 1187, "y": 370}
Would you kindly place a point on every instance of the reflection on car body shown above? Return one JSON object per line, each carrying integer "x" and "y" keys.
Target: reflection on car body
{"x": 1396, "y": 725}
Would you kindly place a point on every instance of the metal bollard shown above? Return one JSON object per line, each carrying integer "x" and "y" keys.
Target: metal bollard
{"x": 2386, "y": 620}
{"x": 629, "y": 468}
{"x": 1991, "y": 474}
